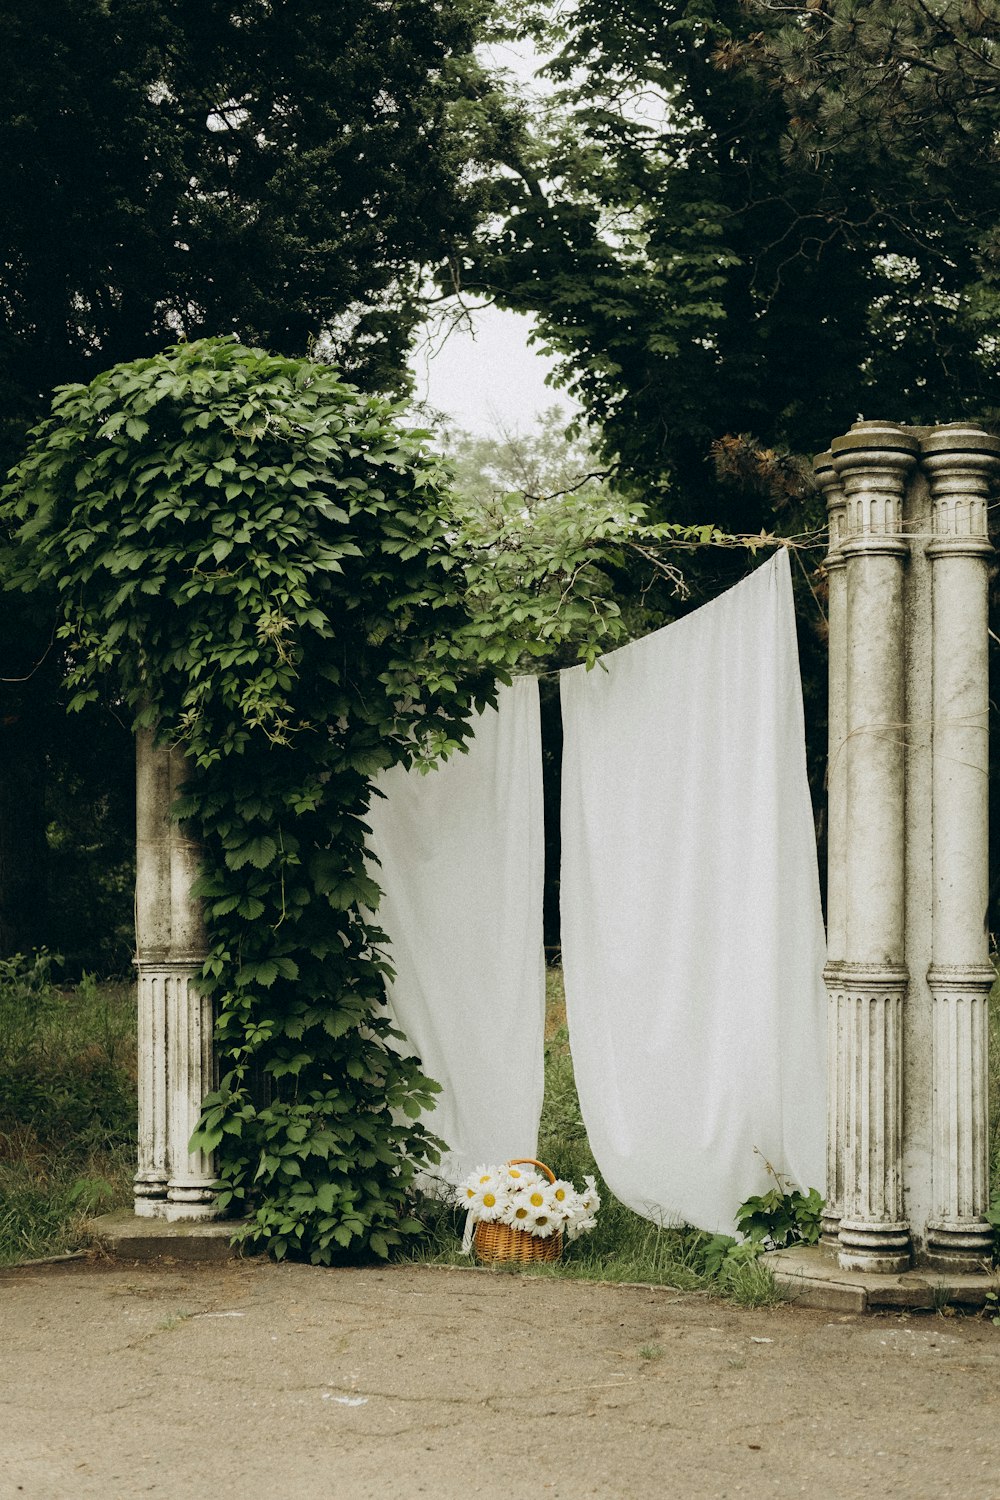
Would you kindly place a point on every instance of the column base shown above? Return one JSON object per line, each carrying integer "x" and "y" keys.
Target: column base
{"x": 830, "y": 1229}
{"x": 961, "y": 1245}
{"x": 149, "y": 1196}
{"x": 880, "y": 1249}
{"x": 190, "y": 1200}
{"x": 175, "y": 1213}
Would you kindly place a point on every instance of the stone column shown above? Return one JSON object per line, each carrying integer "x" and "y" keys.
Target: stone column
{"x": 960, "y": 462}
{"x": 836, "y": 838}
{"x": 872, "y": 462}
{"x": 152, "y": 934}
{"x": 176, "y": 1060}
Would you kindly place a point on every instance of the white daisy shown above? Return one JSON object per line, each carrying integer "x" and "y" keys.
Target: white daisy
{"x": 467, "y": 1190}
{"x": 542, "y": 1222}
{"x": 488, "y": 1202}
{"x": 517, "y": 1211}
{"x": 520, "y": 1177}
{"x": 539, "y": 1196}
{"x": 563, "y": 1197}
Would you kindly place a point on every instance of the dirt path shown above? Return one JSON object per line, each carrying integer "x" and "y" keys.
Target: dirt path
{"x": 251, "y": 1380}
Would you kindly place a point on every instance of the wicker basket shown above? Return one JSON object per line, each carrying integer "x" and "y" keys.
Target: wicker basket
{"x": 494, "y": 1241}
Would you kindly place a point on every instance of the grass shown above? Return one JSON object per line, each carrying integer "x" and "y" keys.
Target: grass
{"x": 67, "y": 1107}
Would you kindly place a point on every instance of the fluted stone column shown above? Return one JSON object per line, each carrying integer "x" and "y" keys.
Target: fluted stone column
{"x": 960, "y": 462}
{"x": 176, "y": 1064}
{"x": 836, "y": 832}
{"x": 872, "y": 462}
{"x": 152, "y": 932}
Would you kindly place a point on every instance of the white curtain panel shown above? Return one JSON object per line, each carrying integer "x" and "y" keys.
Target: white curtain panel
{"x": 693, "y": 944}
{"x": 461, "y": 867}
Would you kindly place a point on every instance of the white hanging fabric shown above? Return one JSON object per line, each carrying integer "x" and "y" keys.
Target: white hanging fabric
{"x": 692, "y": 934}
{"x": 461, "y": 851}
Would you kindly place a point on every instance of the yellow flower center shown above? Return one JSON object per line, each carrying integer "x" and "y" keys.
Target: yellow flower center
{"x": 536, "y": 1200}
{"x": 560, "y": 1195}
{"x": 489, "y": 1200}
{"x": 485, "y": 1178}
{"x": 521, "y": 1212}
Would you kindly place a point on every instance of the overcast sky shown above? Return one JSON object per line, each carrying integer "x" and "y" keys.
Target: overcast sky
{"x": 486, "y": 377}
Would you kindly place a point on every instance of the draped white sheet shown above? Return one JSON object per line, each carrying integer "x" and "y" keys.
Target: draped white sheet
{"x": 692, "y": 934}
{"x": 462, "y": 864}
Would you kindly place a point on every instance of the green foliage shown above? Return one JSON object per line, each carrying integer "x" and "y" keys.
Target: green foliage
{"x": 255, "y": 553}
{"x": 993, "y": 1218}
{"x": 782, "y": 1217}
{"x": 285, "y": 172}
{"x": 549, "y": 549}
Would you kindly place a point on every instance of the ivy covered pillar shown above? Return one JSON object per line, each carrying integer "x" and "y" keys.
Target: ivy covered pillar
{"x": 175, "y": 1049}
{"x": 960, "y": 462}
{"x": 872, "y": 462}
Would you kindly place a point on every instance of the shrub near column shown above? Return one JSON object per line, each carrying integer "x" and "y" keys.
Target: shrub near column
{"x": 251, "y": 554}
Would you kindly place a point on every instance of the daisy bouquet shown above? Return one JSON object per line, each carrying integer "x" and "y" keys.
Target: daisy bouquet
{"x": 523, "y": 1198}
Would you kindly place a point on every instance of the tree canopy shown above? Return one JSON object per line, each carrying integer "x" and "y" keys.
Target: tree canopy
{"x": 171, "y": 170}
{"x": 290, "y": 173}
{"x": 726, "y": 225}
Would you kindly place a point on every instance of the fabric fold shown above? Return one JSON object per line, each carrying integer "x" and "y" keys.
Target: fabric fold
{"x": 692, "y": 933}
{"x": 461, "y": 867}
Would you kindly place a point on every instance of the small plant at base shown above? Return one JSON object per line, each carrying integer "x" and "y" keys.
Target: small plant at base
{"x": 993, "y": 1218}
{"x": 781, "y": 1216}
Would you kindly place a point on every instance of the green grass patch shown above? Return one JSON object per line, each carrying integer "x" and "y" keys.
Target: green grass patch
{"x": 67, "y": 1106}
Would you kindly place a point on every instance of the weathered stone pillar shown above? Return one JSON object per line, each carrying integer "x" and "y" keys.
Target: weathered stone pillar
{"x": 960, "y": 462}
{"x": 152, "y": 935}
{"x": 836, "y": 834}
{"x": 176, "y": 1064}
{"x": 872, "y": 462}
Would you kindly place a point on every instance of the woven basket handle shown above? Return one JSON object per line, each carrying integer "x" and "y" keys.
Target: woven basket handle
{"x": 529, "y": 1161}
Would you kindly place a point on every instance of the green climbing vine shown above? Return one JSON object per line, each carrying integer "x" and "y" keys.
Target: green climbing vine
{"x": 266, "y": 566}
{"x": 252, "y": 555}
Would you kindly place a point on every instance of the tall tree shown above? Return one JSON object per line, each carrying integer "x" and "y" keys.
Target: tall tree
{"x": 719, "y": 239}
{"x": 288, "y": 170}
